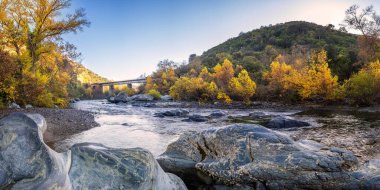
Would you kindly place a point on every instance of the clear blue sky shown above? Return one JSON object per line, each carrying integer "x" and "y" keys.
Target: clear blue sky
{"x": 129, "y": 37}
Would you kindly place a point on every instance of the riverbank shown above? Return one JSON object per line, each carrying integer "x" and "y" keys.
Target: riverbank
{"x": 61, "y": 123}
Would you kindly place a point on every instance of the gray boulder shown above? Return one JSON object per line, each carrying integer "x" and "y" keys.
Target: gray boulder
{"x": 283, "y": 122}
{"x": 251, "y": 155}
{"x": 166, "y": 98}
{"x": 121, "y": 97}
{"x": 26, "y": 162}
{"x": 95, "y": 166}
{"x": 257, "y": 115}
{"x": 217, "y": 114}
{"x": 172, "y": 113}
{"x": 13, "y": 105}
{"x": 142, "y": 97}
{"x": 196, "y": 118}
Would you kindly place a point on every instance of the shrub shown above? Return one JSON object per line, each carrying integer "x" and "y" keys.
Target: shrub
{"x": 155, "y": 94}
{"x": 364, "y": 86}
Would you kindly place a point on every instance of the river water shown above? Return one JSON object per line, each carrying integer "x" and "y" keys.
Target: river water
{"x": 128, "y": 126}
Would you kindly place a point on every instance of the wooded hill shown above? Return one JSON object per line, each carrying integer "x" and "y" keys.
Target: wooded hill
{"x": 255, "y": 50}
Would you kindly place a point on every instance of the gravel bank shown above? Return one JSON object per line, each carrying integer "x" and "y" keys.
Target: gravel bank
{"x": 61, "y": 123}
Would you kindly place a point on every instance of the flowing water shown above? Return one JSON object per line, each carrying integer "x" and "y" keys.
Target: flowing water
{"x": 127, "y": 126}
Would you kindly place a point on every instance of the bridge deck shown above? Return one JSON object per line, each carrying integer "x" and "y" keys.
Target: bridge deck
{"x": 120, "y": 82}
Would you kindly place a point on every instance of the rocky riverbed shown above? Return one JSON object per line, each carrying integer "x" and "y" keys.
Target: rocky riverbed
{"x": 262, "y": 147}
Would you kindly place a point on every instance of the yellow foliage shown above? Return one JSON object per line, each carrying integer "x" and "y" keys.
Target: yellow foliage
{"x": 224, "y": 98}
{"x": 189, "y": 89}
{"x": 155, "y": 94}
{"x": 242, "y": 87}
{"x": 364, "y": 86}
{"x": 205, "y": 75}
{"x": 310, "y": 82}
{"x": 223, "y": 74}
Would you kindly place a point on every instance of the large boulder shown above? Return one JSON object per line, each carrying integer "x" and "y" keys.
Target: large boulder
{"x": 142, "y": 97}
{"x": 284, "y": 122}
{"x": 122, "y": 97}
{"x": 26, "y": 162}
{"x": 95, "y": 166}
{"x": 253, "y": 156}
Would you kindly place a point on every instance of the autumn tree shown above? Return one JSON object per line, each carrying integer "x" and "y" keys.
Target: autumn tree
{"x": 242, "y": 87}
{"x": 367, "y": 22}
{"x": 319, "y": 82}
{"x": 224, "y": 73}
{"x": 31, "y": 31}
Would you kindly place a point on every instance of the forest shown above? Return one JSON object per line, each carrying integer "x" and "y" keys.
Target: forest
{"x": 37, "y": 66}
{"x": 290, "y": 62}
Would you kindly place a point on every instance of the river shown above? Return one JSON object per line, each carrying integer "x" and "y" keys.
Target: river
{"x": 128, "y": 126}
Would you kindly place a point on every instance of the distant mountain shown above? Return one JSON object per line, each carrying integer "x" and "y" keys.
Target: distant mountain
{"x": 255, "y": 50}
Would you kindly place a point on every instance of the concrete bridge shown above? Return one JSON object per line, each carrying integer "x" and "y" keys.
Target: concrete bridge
{"x": 98, "y": 88}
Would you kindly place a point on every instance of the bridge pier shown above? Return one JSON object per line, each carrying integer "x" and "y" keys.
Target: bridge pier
{"x": 111, "y": 90}
{"x": 97, "y": 91}
{"x": 129, "y": 85}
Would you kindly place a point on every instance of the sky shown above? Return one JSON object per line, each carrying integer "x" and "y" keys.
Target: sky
{"x": 128, "y": 38}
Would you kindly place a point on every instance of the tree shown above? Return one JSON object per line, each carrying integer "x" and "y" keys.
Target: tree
{"x": 31, "y": 31}
{"x": 223, "y": 74}
{"x": 319, "y": 82}
{"x": 368, "y": 23}
{"x": 242, "y": 87}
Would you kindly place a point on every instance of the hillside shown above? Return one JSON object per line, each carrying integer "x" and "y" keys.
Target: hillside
{"x": 85, "y": 75}
{"x": 256, "y": 49}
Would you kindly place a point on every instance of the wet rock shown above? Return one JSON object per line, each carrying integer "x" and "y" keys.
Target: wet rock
{"x": 77, "y": 99}
{"x": 217, "y": 114}
{"x": 166, "y": 98}
{"x": 25, "y": 161}
{"x": 28, "y": 106}
{"x": 13, "y": 105}
{"x": 252, "y": 155}
{"x": 172, "y": 113}
{"x": 95, "y": 166}
{"x": 283, "y": 122}
{"x": 72, "y": 101}
{"x": 142, "y": 97}
{"x": 121, "y": 97}
{"x": 257, "y": 115}
{"x": 196, "y": 118}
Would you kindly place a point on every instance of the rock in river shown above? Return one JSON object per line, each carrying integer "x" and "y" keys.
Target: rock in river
{"x": 217, "y": 114}
{"x": 142, "y": 97}
{"x": 283, "y": 122}
{"x": 26, "y": 162}
{"x": 196, "y": 118}
{"x": 254, "y": 156}
{"x": 172, "y": 113}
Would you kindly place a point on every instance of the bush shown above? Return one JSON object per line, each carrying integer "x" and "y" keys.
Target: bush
{"x": 364, "y": 86}
{"x": 155, "y": 94}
